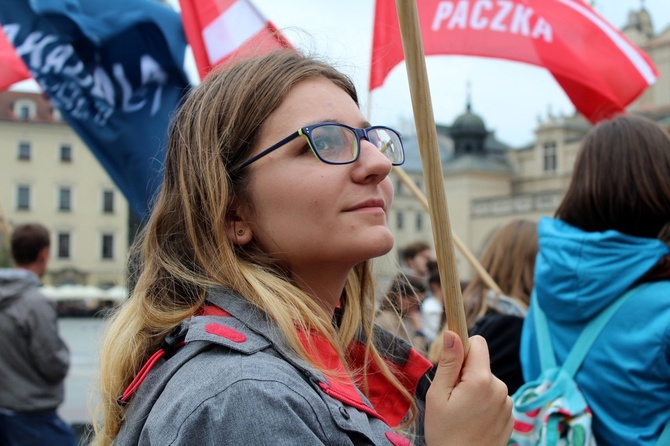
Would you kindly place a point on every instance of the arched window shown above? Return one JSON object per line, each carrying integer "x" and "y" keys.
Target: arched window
{"x": 25, "y": 110}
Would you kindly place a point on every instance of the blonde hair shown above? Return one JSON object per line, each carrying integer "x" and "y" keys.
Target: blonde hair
{"x": 509, "y": 257}
{"x": 184, "y": 248}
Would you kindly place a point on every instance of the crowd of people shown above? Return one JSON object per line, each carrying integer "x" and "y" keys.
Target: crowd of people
{"x": 609, "y": 236}
{"x": 255, "y": 317}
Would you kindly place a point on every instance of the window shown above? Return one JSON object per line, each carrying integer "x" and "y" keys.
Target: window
{"x": 398, "y": 188}
{"x": 63, "y": 245}
{"x": 24, "y": 113}
{"x": 24, "y": 151}
{"x": 23, "y": 198}
{"x": 549, "y": 153}
{"x": 108, "y": 201}
{"x": 399, "y": 220}
{"x": 65, "y": 153}
{"x": 107, "y": 246}
{"x": 25, "y": 109}
{"x": 65, "y": 199}
{"x": 419, "y": 221}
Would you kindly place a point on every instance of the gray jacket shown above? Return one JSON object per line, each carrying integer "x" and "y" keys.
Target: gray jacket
{"x": 33, "y": 358}
{"x": 236, "y": 382}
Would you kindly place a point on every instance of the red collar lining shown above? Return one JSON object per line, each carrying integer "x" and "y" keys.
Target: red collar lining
{"x": 388, "y": 404}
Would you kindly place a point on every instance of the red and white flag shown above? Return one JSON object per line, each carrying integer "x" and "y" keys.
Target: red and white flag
{"x": 12, "y": 68}
{"x": 599, "y": 69}
{"x": 219, "y": 29}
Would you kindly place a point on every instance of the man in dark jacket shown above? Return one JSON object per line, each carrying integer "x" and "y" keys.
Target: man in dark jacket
{"x": 33, "y": 358}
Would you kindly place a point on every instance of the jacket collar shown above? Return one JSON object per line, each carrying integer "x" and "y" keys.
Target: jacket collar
{"x": 252, "y": 330}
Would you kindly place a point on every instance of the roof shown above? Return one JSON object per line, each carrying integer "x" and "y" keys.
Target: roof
{"x": 413, "y": 155}
{"x": 44, "y": 109}
{"x": 493, "y": 160}
{"x": 490, "y": 163}
{"x": 468, "y": 123}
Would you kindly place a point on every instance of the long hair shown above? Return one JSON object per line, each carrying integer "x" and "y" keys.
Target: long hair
{"x": 184, "y": 248}
{"x": 509, "y": 258}
{"x": 621, "y": 179}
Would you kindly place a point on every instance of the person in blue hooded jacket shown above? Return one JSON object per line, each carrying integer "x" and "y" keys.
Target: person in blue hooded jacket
{"x": 603, "y": 242}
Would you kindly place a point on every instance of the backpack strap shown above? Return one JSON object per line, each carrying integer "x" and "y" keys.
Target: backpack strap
{"x": 544, "y": 347}
{"x": 585, "y": 340}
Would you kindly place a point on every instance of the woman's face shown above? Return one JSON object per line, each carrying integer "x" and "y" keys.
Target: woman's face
{"x": 310, "y": 215}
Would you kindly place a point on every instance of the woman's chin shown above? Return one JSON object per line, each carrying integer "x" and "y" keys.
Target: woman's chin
{"x": 381, "y": 244}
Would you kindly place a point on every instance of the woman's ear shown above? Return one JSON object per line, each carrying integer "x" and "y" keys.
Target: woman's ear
{"x": 238, "y": 230}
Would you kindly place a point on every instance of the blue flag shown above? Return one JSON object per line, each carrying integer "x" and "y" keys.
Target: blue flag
{"x": 114, "y": 69}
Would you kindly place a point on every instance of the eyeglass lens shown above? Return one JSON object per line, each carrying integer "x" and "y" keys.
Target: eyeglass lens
{"x": 388, "y": 142}
{"x": 337, "y": 144}
{"x": 334, "y": 143}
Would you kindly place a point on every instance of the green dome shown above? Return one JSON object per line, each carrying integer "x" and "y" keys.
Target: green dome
{"x": 469, "y": 123}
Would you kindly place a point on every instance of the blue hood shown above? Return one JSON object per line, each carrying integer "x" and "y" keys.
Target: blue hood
{"x": 579, "y": 273}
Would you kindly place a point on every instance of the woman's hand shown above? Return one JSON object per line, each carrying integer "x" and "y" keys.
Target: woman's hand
{"x": 466, "y": 405}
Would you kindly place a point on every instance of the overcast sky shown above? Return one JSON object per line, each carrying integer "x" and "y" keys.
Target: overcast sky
{"x": 508, "y": 95}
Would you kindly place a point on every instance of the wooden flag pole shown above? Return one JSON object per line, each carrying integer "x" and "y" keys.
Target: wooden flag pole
{"x": 472, "y": 260}
{"x": 408, "y": 19}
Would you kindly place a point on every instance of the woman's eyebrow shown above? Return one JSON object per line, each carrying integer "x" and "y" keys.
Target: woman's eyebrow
{"x": 363, "y": 124}
{"x": 321, "y": 121}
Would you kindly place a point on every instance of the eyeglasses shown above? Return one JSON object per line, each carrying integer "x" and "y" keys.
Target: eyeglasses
{"x": 335, "y": 143}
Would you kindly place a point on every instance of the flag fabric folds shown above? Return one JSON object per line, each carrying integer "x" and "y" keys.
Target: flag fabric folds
{"x": 599, "y": 69}
{"x": 114, "y": 69}
{"x": 220, "y": 29}
{"x": 12, "y": 68}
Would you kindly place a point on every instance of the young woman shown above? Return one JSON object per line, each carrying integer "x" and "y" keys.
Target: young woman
{"x": 509, "y": 257}
{"x": 603, "y": 242}
{"x": 255, "y": 282}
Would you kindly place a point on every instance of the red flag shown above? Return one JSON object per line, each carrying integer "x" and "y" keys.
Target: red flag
{"x": 219, "y": 29}
{"x": 12, "y": 68}
{"x": 599, "y": 69}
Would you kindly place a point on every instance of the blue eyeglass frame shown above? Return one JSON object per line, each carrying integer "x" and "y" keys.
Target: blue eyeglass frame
{"x": 307, "y": 132}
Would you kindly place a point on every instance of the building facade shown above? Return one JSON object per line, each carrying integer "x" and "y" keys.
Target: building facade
{"x": 488, "y": 184}
{"x": 48, "y": 175}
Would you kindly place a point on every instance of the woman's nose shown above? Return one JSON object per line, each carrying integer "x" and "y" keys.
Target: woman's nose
{"x": 373, "y": 163}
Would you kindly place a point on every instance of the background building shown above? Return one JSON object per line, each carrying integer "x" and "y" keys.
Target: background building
{"x": 48, "y": 175}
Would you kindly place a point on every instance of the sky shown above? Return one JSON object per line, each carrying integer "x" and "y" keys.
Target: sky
{"x": 509, "y": 96}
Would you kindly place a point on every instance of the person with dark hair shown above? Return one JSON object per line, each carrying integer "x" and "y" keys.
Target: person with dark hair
{"x": 33, "y": 358}
{"x": 603, "y": 242}
{"x": 416, "y": 257}
{"x": 253, "y": 317}
{"x": 399, "y": 312}
{"x": 432, "y": 307}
